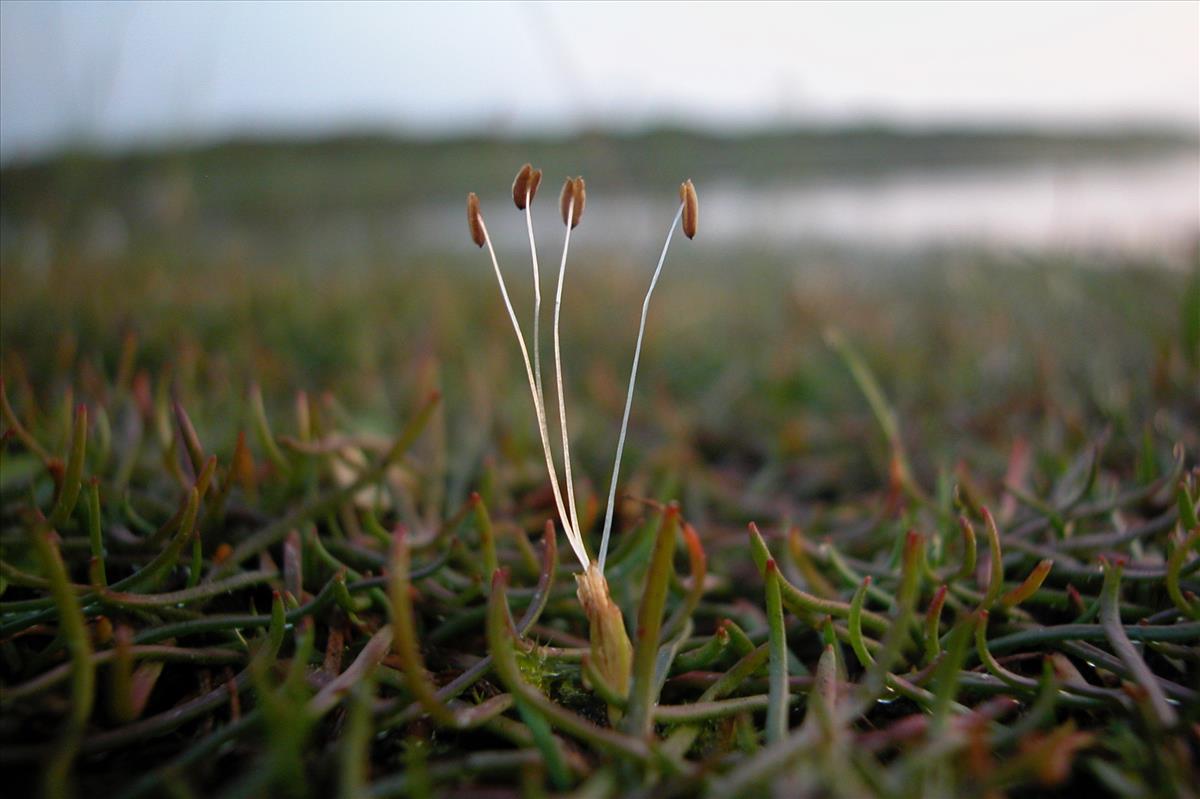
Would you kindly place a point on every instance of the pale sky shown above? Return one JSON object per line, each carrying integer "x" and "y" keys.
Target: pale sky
{"x": 122, "y": 74}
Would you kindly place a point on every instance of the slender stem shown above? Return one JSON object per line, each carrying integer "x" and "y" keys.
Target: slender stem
{"x": 18, "y": 429}
{"x": 642, "y": 692}
{"x": 1110, "y": 620}
{"x": 537, "y": 308}
{"x": 572, "y": 535}
{"x": 175, "y": 654}
{"x": 83, "y": 670}
{"x": 637, "y": 354}
{"x": 194, "y": 593}
{"x": 718, "y": 708}
{"x": 777, "y": 707}
{"x": 1174, "y": 565}
{"x": 854, "y": 625}
{"x": 562, "y": 402}
{"x": 95, "y": 535}
{"x": 72, "y": 479}
{"x": 407, "y": 645}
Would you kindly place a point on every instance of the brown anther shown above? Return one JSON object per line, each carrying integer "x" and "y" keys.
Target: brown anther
{"x": 524, "y": 187}
{"x": 475, "y": 220}
{"x": 573, "y": 194}
{"x": 691, "y": 208}
{"x": 580, "y": 193}
{"x": 565, "y": 197}
{"x": 535, "y": 180}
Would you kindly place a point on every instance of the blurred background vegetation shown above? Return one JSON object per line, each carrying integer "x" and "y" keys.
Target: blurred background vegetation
{"x": 285, "y": 264}
{"x": 977, "y": 346}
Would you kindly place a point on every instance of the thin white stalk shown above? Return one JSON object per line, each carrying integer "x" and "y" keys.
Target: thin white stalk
{"x": 562, "y": 403}
{"x": 572, "y": 536}
{"x": 537, "y": 304}
{"x": 540, "y": 400}
{"x": 537, "y": 354}
{"x": 637, "y": 354}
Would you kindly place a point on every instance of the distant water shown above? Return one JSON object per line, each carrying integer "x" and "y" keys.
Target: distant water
{"x": 1141, "y": 207}
{"x": 1138, "y": 207}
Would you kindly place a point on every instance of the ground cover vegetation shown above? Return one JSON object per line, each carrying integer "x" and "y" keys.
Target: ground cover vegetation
{"x": 894, "y": 525}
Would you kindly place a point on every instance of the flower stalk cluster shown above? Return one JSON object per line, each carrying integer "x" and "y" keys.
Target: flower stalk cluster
{"x": 612, "y": 652}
